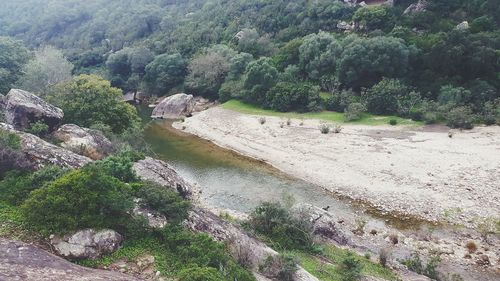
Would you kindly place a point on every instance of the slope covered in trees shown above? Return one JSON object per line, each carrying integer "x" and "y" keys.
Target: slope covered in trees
{"x": 441, "y": 62}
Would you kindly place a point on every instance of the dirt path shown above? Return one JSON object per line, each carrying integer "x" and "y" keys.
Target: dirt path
{"x": 412, "y": 171}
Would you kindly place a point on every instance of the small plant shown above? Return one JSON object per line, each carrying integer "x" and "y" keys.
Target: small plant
{"x": 324, "y": 128}
{"x": 368, "y": 256}
{"x": 39, "y": 129}
{"x": 471, "y": 247}
{"x": 262, "y": 120}
{"x": 450, "y": 134}
{"x": 360, "y": 227}
{"x": 288, "y": 122}
{"x": 337, "y": 129}
{"x": 394, "y": 239}
{"x": 350, "y": 268}
{"x": 383, "y": 257}
{"x": 415, "y": 264}
{"x": 393, "y": 122}
{"x": 282, "y": 125}
{"x": 354, "y": 112}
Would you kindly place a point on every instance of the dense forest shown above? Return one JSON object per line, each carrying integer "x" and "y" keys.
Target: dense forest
{"x": 434, "y": 61}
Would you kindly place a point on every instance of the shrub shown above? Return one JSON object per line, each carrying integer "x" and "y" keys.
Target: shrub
{"x": 164, "y": 200}
{"x": 393, "y": 122}
{"x": 340, "y": 101}
{"x": 85, "y": 198}
{"x": 120, "y": 165}
{"x": 324, "y": 128}
{"x": 10, "y": 140}
{"x": 39, "y": 129}
{"x": 383, "y": 98}
{"x": 471, "y": 247}
{"x": 337, "y": 129}
{"x": 196, "y": 273}
{"x": 284, "y": 230}
{"x": 383, "y": 257}
{"x": 460, "y": 117}
{"x": 414, "y": 263}
{"x": 354, "y": 111}
{"x": 262, "y": 120}
{"x": 16, "y": 186}
{"x": 11, "y": 159}
{"x": 282, "y": 267}
{"x": 350, "y": 268}
{"x": 299, "y": 97}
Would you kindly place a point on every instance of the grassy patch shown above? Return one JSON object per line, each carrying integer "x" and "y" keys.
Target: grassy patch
{"x": 11, "y": 224}
{"x": 331, "y": 116}
{"x": 326, "y": 266}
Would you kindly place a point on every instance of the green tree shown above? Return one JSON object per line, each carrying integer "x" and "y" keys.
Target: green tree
{"x": 383, "y": 98}
{"x": 88, "y": 100}
{"x": 260, "y": 77}
{"x": 365, "y": 61}
{"x": 374, "y": 17}
{"x": 48, "y": 68}
{"x": 319, "y": 54}
{"x": 299, "y": 97}
{"x": 13, "y": 56}
{"x": 164, "y": 73}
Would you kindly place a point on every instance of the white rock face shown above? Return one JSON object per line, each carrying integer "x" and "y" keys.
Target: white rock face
{"x": 87, "y": 142}
{"x": 463, "y": 25}
{"x": 23, "y": 108}
{"x": 87, "y": 244}
{"x": 414, "y": 8}
{"x": 174, "y": 107}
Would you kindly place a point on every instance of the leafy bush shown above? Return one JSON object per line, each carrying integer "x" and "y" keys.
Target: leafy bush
{"x": 196, "y": 273}
{"x": 10, "y": 140}
{"x": 415, "y": 264}
{"x": 384, "y": 96}
{"x": 120, "y": 165}
{"x": 282, "y": 267}
{"x": 164, "y": 200}
{"x": 460, "y": 117}
{"x": 16, "y": 186}
{"x": 351, "y": 268}
{"x": 283, "y": 230}
{"x": 354, "y": 111}
{"x": 324, "y": 128}
{"x": 85, "y": 198}
{"x": 10, "y": 156}
{"x": 39, "y": 129}
{"x": 340, "y": 101}
{"x": 393, "y": 122}
{"x": 299, "y": 97}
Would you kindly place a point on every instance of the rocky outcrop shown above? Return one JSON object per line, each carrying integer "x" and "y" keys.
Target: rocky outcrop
{"x": 462, "y": 26}
{"x": 87, "y": 244}
{"x": 42, "y": 153}
{"x": 23, "y": 108}
{"x": 174, "y": 107}
{"x": 414, "y": 8}
{"x": 343, "y": 25}
{"x": 154, "y": 219}
{"x": 87, "y": 142}
{"x": 159, "y": 172}
{"x": 21, "y": 261}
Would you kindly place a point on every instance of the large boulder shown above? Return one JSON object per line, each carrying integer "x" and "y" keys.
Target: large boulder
{"x": 87, "y": 244}
{"x": 414, "y": 8}
{"x": 20, "y": 261}
{"x": 23, "y": 108}
{"x": 161, "y": 173}
{"x": 174, "y": 107}
{"x": 42, "y": 153}
{"x": 87, "y": 142}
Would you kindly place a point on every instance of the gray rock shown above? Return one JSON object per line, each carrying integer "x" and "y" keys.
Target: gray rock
{"x": 159, "y": 172}
{"x": 87, "y": 142}
{"x": 42, "y": 153}
{"x": 463, "y": 25}
{"x": 23, "y": 108}
{"x": 87, "y": 244}
{"x": 20, "y": 261}
{"x": 414, "y": 8}
{"x": 174, "y": 107}
{"x": 343, "y": 25}
{"x": 154, "y": 219}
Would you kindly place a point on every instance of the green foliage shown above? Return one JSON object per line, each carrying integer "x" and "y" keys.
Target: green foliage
{"x": 351, "y": 268}
{"x": 288, "y": 266}
{"x": 10, "y": 140}
{"x": 260, "y": 77}
{"x": 120, "y": 165}
{"x": 89, "y": 99}
{"x": 199, "y": 274}
{"x": 38, "y": 128}
{"x": 383, "y": 98}
{"x": 13, "y": 56}
{"x": 460, "y": 117}
{"x": 281, "y": 228}
{"x": 319, "y": 54}
{"x": 415, "y": 264}
{"x": 354, "y": 111}
{"x": 164, "y": 200}
{"x": 339, "y": 101}
{"x": 16, "y": 186}
{"x": 85, "y": 198}
{"x": 299, "y": 97}
{"x": 374, "y": 17}
{"x": 164, "y": 73}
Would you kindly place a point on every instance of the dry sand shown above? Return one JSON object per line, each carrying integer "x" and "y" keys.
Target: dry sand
{"x": 415, "y": 171}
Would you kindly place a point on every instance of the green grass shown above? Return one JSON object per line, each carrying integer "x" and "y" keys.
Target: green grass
{"x": 330, "y": 116}
{"x": 325, "y": 267}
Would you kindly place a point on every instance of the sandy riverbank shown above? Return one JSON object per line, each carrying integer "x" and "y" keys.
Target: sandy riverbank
{"x": 415, "y": 171}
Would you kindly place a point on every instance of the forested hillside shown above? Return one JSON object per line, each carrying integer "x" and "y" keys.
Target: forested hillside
{"x": 434, "y": 61}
